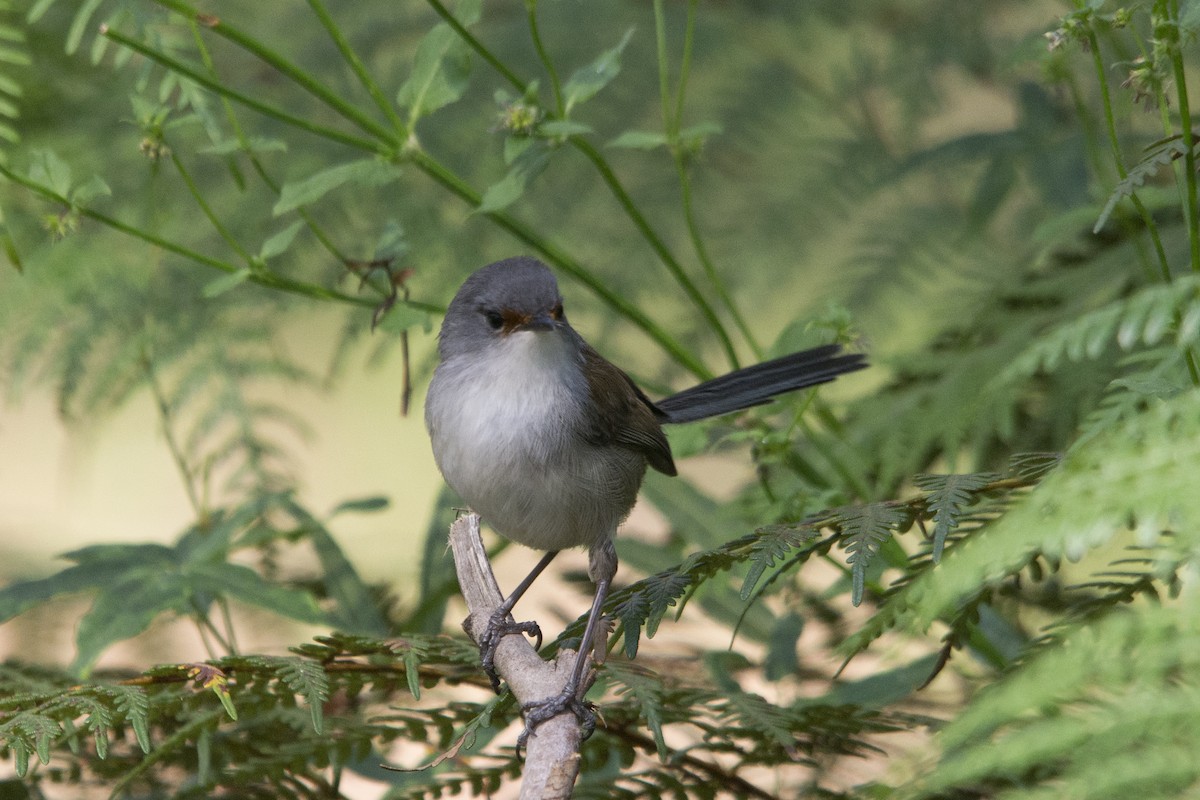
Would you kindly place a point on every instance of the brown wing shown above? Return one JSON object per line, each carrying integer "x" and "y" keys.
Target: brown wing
{"x": 623, "y": 415}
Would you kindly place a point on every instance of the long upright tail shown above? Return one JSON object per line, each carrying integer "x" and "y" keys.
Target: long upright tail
{"x": 753, "y": 386}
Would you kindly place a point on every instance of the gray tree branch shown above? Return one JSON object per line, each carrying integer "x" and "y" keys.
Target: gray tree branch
{"x": 552, "y": 754}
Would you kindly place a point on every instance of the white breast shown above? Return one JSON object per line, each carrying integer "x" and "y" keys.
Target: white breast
{"x": 505, "y": 431}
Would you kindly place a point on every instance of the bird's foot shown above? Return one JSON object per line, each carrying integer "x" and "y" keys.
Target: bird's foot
{"x": 567, "y": 700}
{"x": 500, "y": 625}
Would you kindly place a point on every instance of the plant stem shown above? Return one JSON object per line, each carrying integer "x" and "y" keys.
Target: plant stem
{"x": 672, "y": 121}
{"x": 477, "y": 46}
{"x": 286, "y": 68}
{"x": 260, "y": 277}
{"x": 547, "y": 64}
{"x": 1189, "y": 142}
{"x": 255, "y": 161}
{"x": 657, "y": 245}
{"x": 1114, "y": 142}
{"x": 359, "y": 69}
{"x": 164, "y": 414}
{"x": 206, "y": 209}
{"x": 623, "y": 199}
{"x": 178, "y": 67}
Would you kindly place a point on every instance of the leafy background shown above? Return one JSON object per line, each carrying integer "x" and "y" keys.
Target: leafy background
{"x": 207, "y": 208}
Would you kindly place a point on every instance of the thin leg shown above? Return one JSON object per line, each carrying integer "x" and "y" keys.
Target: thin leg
{"x": 501, "y": 625}
{"x": 569, "y": 697}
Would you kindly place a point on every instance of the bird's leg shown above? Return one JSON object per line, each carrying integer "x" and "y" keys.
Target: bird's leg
{"x": 602, "y": 569}
{"x": 501, "y": 624}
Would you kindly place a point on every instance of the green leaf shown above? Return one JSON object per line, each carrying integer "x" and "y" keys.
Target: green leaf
{"x": 97, "y": 567}
{"x": 223, "y": 284}
{"x": 280, "y": 241}
{"x": 48, "y": 170}
{"x": 362, "y": 505}
{"x": 439, "y": 581}
{"x": 948, "y": 496}
{"x": 772, "y": 544}
{"x": 1158, "y": 155}
{"x": 781, "y": 660}
{"x": 307, "y": 679}
{"x": 864, "y": 530}
{"x": 254, "y": 144}
{"x": 80, "y": 23}
{"x": 524, "y": 169}
{"x": 562, "y": 128}
{"x": 365, "y": 172}
{"x": 124, "y": 609}
{"x": 632, "y": 612}
{"x": 441, "y": 67}
{"x": 356, "y": 609}
{"x": 587, "y": 81}
{"x": 392, "y": 242}
{"x": 884, "y": 688}
{"x": 695, "y": 135}
{"x": 640, "y": 140}
{"x": 133, "y": 704}
{"x": 440, "y": 74}
{"x": 89, "y": 190}
{"x": 244, "y": 584}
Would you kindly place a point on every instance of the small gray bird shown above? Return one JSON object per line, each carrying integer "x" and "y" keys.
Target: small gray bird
{"x": 549, "y": 442}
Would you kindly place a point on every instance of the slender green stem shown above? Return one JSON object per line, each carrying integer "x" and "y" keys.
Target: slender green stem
{"x": 236, "y": 126}
{"x": 359, "y": 69}
{"x": 685, "y": 62}
{"x": 227, "y": 621}
{"x": 544, "y": 57}
{"x": 1114, "y": 142}
{"x": 658, "y": 245}
{"x": 1189, "y": 142}
{"x": 670, "y": 120}
{"x": 286, "y": 68}
{"x": 206, "y": 209}
{"x": 186, "y": 71}
{"x": 476, "y": 45}
{"x": 260, "y": 277}
{"x": 623, "y": 199}
{"x": 173, "y": 447}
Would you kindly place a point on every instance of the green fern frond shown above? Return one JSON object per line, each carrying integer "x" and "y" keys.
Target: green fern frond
{"x": 307, "y": 679}
{"x": 948, "y": 496}
{"x": 864, "y": 529}
{"x": 772, "y": 543}
{"x": 1139, "y": 470}
{"x": 647, "y": 690}
{"x": 1158, "y": 155}
{"x": 1082, "y": 714}
{"x": 1145, "y": 318}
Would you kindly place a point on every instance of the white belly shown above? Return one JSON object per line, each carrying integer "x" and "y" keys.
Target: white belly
{"x": 506, "y": 438}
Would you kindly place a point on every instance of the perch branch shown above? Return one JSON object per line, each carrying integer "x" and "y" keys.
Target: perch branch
{"x": 552, "y": 759}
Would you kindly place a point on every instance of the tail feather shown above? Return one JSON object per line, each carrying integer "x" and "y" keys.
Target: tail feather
{"x": 761, "y": 383}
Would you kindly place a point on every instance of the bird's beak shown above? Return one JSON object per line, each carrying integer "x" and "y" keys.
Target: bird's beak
{"x": 539, "y": 322}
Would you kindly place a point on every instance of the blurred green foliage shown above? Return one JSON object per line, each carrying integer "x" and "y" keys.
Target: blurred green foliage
{"x": 997, "y": 200}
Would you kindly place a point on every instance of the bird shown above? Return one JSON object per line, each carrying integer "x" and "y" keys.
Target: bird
{"x": 549, "y": 442}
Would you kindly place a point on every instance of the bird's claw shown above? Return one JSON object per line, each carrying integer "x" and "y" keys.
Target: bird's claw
{"x": 542, "y": 710}
{"x": 499, "y": 625}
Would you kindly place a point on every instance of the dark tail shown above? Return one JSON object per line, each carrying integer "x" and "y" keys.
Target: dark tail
{"x": 753, "y": 386}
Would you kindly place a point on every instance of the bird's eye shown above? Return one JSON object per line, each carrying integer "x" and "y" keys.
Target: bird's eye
{"x": 557, "y": 311}
{"x": 494, "y": 319}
